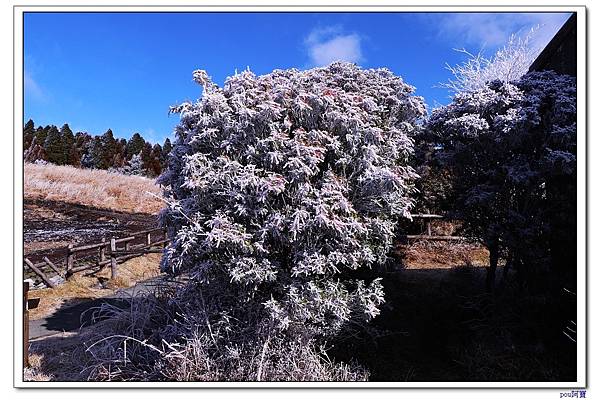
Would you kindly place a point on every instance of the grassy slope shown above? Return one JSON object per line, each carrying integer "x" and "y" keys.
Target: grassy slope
{"x": 95, "y": 188}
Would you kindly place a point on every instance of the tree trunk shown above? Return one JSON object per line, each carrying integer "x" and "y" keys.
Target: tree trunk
{"x": 507, "y": 266}
{"x": 519, "y": 268}
{"x": 491, "y": 273}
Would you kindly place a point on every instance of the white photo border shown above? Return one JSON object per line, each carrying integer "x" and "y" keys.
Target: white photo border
{"x": 291, "y": 7}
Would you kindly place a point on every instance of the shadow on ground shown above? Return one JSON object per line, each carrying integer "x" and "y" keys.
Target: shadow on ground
{"x": 441, "y": 325}
{"x": 437, "y": 325}
{"x": 86, "y": 313}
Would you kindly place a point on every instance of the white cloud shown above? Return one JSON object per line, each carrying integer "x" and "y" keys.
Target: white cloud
{"x": 32, "y": 88}
{"x": 485, "y": 30}
{"x": 152, "y": 136}
{"x": 326, "y": 45}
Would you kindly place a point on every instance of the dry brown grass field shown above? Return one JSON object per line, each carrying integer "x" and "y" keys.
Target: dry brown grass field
{"x": 94, "y": 188}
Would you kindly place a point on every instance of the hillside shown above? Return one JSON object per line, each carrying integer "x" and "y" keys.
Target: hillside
{"x": 93, "y": 188}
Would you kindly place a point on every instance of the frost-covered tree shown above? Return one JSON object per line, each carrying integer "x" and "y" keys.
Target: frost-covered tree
{"x": 510, "y": 148}
{"x": 507, "y": 65}
{"x": 135, "y": 166}
{"x": 35, "y": 152}
{"x": 92, "y": 152}
{"x": 28, "y": 134}
{"x": 282, "y": 186}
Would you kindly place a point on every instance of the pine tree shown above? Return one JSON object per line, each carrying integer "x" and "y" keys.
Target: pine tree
{"x": 68, "y": 139}
{"x": 41, "y": 133}
{"x": 122, "y": 148}
{"x": 107, "y": 150}
{"x": 155, "y": 165}
{"x": 146, "y": 155}
{"x": 135, "y": 145}
{"x": 166, "y": 150}
{"x": 54, "y": 147}
{"x": 74, "y": 157}
{"x": 81, "y": 141}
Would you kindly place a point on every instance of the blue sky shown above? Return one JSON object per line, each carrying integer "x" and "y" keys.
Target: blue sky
{"x": 123, "y": 70}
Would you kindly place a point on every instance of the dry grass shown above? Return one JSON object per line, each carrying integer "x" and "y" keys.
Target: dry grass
{"x": 95, "y": 188}
{"x": 126, "y": 347}
{"x": 428, "y": 255}
{"x": 88, "y": 287}
{"x": 30, "y": 247}
{"x": 59, "y": 358}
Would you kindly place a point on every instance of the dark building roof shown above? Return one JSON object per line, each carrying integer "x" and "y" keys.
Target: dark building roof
{"x": 560, "y": 55}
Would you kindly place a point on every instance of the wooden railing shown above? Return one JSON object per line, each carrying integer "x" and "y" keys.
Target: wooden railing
{"x": 428, "y": 218}
{"x": 100, "y": 255}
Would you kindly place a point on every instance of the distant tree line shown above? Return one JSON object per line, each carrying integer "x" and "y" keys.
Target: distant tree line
{"x": 61, "y": 146}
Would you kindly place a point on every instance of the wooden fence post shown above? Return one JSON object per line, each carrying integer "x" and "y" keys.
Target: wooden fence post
{"x": 103, "y": 251}
{"x": 70, "y": 259}
{"x": 25, "y": 325}
{"x": 166, "y": 238}
{"x": 148, "y": 238}
{"x": 113, "y": 258}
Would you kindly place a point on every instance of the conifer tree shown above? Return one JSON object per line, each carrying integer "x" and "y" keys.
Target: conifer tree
{"x": 54, "y": 147}
{"x": 68, "y": 140}
{"x": 122, "y": 149}
{"x": 107, "y": 150}
{"x": 74, "y": 157}
{"x": 135, "y": 145}
{"x": 166, "y": 149}
{"x": 146, "y": 155}
{"x": 41, "y": 133}
{"x": 154, "y": 165}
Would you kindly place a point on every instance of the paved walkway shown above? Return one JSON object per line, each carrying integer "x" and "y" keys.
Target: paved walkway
{"x": 73, "y": 318}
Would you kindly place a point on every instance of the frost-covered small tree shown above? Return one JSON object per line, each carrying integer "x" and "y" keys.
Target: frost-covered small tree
{"x": 507, "y": 146}
{"x": 35, "y": 152}
{"x": 92, "y": 150}
{"x": 281, "y": 187}
{"x": 508, "y": 64}
{"x": 135, "y": 166}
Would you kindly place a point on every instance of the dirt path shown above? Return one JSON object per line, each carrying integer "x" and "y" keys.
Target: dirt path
{"x": 74, "y": 317}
